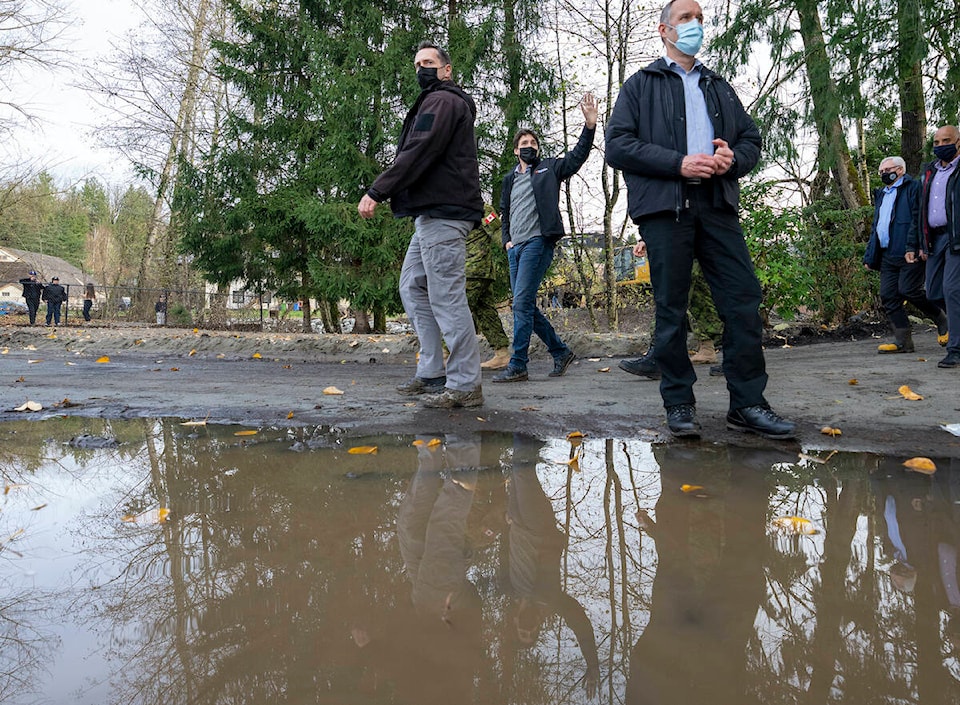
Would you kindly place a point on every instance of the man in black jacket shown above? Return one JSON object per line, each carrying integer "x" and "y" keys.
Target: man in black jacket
{"x": 682, "y": 139}
{"x": 435, "y": 179}
{"x": 54, "y": 295}
{"x": 530, "y": 211}
{"x": 32, "y": 289}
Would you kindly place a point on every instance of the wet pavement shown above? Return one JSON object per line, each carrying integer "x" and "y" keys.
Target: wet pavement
{"x": 145, "y": 561}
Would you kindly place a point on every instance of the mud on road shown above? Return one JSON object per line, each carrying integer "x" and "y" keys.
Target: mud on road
{"x": 259, "y": 379}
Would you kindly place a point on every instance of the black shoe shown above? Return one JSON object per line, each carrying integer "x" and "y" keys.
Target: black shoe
{"x": 645, "y": 366}
{"x": 716, "y": 370}
{"x": 561, "y": 364}
{"x": 761, "y": 420}
{"x": 423, "y": 385}
{"x": 950, "y": 361}
{"x": 682, "y": 421}
{"x": 511, "y": 374}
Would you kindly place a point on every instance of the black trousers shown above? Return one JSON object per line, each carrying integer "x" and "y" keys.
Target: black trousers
{"x": 901, "y": 280}
{"x": 33, "y": 305}
{"x": 712, "y": 235}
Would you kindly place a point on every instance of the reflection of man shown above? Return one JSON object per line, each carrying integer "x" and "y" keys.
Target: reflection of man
{"x": 435, "y": 179}
{"x": 54, "y": 295}
{"x": 709, "y": 581}
{"x": 682, "y": 139}
{"x": 32, "y": 289}
{"x": 938, "y": 237}
{"x": 532, "y": 554}
{"x": 895, "y": 216}
{"x": 532, "y": 226}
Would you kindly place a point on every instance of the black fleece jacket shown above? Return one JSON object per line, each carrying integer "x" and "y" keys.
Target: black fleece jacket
{"x": 546, "y": 178}
{"x": 646, "y": 138}
{"x": 435, "y": 172}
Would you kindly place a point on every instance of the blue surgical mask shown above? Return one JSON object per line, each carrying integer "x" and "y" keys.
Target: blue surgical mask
{"x": 689, "y": 37}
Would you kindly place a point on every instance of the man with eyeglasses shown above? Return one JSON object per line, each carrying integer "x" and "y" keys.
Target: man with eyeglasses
{"x": 895, "y": 215}
{"x": 937, "y": 239}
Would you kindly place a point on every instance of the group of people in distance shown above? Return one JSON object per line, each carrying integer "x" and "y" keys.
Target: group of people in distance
{"x": 34, "y": 292}
{"x": 915, "y": 245}
{"x": 682, "y": 139}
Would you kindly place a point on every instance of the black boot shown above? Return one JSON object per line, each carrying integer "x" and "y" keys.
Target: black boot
{"x": 645, "y": 366}
{"x": 903, "y": 342}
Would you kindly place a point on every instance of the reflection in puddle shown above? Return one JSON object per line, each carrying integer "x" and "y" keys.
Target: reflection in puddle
{"x": 192, "y": 565}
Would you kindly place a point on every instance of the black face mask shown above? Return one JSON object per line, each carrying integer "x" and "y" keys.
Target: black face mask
{"x": 889, "y": 178}
{"x": 530, "y": 155}
{"x": 427, "y": 77}
{"x": 945, "y": 152}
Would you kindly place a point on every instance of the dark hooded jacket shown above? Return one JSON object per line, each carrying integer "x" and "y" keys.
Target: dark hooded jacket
{"x": 646, "y": 138}
{"x": 435, "y": 172}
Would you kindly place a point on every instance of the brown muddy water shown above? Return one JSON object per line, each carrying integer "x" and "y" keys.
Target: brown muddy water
{"x": 192, "y": 565}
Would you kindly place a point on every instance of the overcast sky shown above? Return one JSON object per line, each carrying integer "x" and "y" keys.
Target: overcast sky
{"x": 62, "y": 136}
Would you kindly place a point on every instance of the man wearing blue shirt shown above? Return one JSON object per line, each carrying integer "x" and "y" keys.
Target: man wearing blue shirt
{"x": 682, "y": 139}
{"x": 895, "y": 221}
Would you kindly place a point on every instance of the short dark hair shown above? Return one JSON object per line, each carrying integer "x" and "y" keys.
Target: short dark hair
{"x": 441, "y": 52}
{"x": 520, "y": 135}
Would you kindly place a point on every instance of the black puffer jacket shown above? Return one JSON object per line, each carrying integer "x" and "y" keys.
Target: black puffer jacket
{"x": 546, "y": 179}
{"x": 435, "y": 172}
{"x": 646, "y": 138}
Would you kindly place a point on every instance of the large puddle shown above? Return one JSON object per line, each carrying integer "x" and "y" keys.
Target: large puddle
{"x": 193, "y": 565}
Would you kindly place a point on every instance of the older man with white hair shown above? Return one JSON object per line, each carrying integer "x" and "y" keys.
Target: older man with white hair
{"x": 895, "y": 221}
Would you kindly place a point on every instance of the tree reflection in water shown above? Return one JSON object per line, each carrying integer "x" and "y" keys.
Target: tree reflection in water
{"x": 484, "y": 569}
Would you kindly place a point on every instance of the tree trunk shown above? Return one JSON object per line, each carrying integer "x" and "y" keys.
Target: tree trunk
{"x": 913, "y": 112}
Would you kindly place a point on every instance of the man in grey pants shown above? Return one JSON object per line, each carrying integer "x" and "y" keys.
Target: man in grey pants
{"x": 435, "y": 179}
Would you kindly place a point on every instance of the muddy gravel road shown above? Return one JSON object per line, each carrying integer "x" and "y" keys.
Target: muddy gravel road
{"x": 260, "y": 379}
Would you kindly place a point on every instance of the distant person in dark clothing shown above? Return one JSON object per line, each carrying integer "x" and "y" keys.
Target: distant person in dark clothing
{"x": 160, "y": 308}
{"x": 54, "y": 295}
{"x": 88, "y": 296}
{"x": 32, "y": 290}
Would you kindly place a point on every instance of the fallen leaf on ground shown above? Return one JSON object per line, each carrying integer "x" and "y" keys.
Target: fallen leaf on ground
{"x": 332, "y": 390}
{"x": 20, "y": 379}
{"x": 853, "y": 382}
{"x": 30, "y": 347}
{"x": 691, "y": 488}
{"x": 247, "y": 432}
{"x": 192, "y": 353}
{"x": 593, "y": 359}
{"x": 70, "y": 364}
{"x": 29, "y": 406}
{"x": 363, "y": 450}
{"x": 924, "y": 465}
{"x": 604, "y": 369}
{"x": 34, "y": 362}
{"x": 256, "y": 356}
{"x": 795, "y": 525}
{"x": 52, "y": 336}
{"x": 481, "y": 419}
{"x": 290, "y": 415}
{"x": 433, "y": 442}
{"x": 174, "y": 369}
{"x": 829, "y": 431}
{"x": 908, "y": 393}
{"x": 354, "y": 343}
{"x": 529, "y": 408}
{"x": 102, "y": 359}
{"x": 4, "y": 351}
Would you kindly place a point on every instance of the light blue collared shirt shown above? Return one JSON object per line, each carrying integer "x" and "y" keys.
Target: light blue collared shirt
{"x": 886, "y": 211}
{"x": 937, "y": 205}
{"x": 699, "y": 128}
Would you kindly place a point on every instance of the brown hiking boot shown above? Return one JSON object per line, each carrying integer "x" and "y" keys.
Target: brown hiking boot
{"x": 500, "y": 359}
{"x": 706, "y": 355}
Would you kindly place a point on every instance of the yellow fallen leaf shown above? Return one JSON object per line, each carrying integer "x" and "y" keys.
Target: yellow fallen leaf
{"x": 363, "y": 450}
{"x": 29, "y": 406}
{"x": 604, "y": 369}
{"x": 575, "y": 434}
{"x": 138, "y": 341}
{"x": 192, "y": 353}
{"x": 433, "y": 442}
{"x": 332, "y": 390}
{"x": 4, "y": 351}
{"x": 419, "y": 442}
{"x": 196, "y": 330}
{"x": 287, "y": 367}
{"x": 52, "y": 336}
{"x": 247, "y": 432}
{"x": 795, "y": 525}
{"x": 257, "y": 356}
{"x": 290, "y": 415}
{"x": 174, "y": 369}
{"x": 103, "y": 359}
{"x": 908, "y": 393}
{"x": 34, "y": 362}
{"x": 691, "y": 488}
{"x": 30, "y": 347}
{"x": 924, "y": 465}
{"x": 828, "y": 431}
{"x": 220, "y": 356}
{"x": 853, "y": 382}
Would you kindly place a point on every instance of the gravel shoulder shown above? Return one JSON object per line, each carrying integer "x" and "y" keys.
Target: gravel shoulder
{"x": 261, "y": 379}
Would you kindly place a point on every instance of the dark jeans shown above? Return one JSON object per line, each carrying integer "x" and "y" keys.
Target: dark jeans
{"x": 87, "y": 305}
{"x": 53, "y": 312}
{"x": 712, "y": 236}
{"x": 943, "y": 285}
{"x": 528, "y": 263}
{"x": 901, "y": 280}
{"x": 33, "y": 305}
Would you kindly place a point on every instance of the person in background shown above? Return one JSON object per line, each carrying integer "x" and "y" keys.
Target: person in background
{"x": 32, "y": 290}
{"x": 480, "y": 279}
{"x": 937, "y": 239}
{"x": 160, "y": 308}
{"x": 88, "y": 296}
{"x": 54, "y": 295}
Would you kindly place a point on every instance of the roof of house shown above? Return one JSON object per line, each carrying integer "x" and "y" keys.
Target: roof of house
{"x": 17, "y": 264}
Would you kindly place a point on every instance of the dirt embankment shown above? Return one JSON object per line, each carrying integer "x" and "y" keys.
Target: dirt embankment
{"x": 261, "y": 378}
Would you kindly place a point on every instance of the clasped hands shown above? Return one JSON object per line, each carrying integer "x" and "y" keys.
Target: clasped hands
{"x": 703, "y": 166}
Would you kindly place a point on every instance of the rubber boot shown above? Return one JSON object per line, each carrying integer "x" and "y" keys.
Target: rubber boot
{"x": 943, "y": 333}
{"x": 706, "y": 355}
{"x": 500, "y": 359}
{"x": 903, "y": 342}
